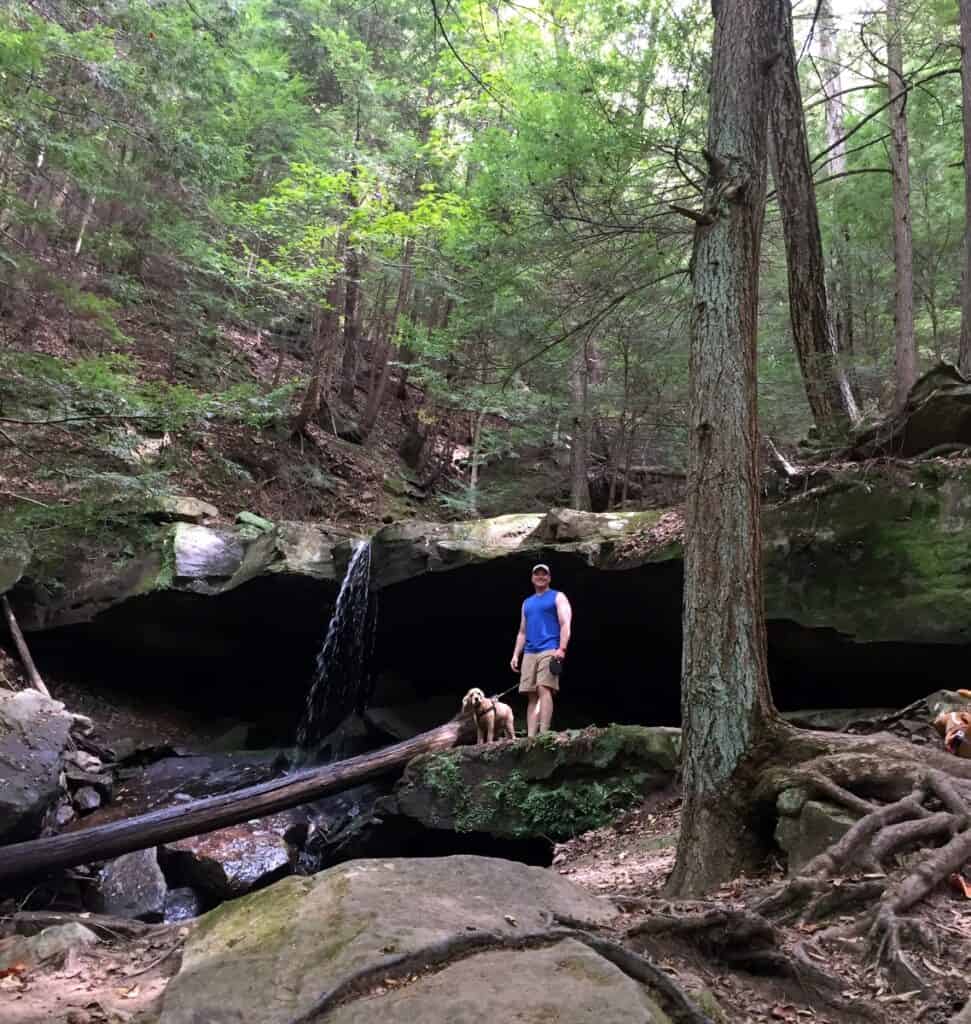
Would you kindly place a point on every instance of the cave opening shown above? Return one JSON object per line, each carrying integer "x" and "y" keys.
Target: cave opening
{"x": 248, "y": 655}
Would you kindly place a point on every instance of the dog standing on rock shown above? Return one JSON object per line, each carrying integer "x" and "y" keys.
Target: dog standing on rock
{"x": 493, "y": 719}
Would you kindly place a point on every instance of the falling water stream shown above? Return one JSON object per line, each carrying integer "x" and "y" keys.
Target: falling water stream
{"x": 342, "y": 678}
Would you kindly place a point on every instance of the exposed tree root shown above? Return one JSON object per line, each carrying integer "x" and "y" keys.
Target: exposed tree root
{"x": 440, "y": 954}
{"x": 882, "y": 832}
{"x": 743, "y": 940}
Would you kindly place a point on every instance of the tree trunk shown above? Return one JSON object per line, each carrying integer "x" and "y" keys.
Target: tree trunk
{"x": 726, "y": 705}
{"x": 827, "y": 388}
{"x": 352, "y": 292}
{"x": 580, "y": 446}
{"x": 112, "y": 840}
{"x": 903, "y": 245}
{"x": 382, "y": 358}
{"x": 840, "y": 276}
{"x": 326, "y": 335}
{"x": 22, "y": 649}
{"x": 964, "y": 352}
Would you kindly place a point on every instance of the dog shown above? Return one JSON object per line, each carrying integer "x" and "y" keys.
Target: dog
{"x": 955, "y": 728}
{"x": 493, "y": 719}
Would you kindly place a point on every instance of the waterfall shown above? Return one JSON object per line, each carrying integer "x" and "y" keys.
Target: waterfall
{"x": 342, "y": 678}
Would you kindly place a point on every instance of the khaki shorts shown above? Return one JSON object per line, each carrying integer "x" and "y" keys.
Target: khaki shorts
{"x": 535, "y": 672}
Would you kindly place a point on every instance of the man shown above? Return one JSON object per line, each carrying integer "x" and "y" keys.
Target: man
{"x": 544, "y": 632}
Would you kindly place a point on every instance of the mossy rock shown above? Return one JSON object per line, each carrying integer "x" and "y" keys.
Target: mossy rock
{"x": 554, "y": 786}
{"x": 267, "y": 957}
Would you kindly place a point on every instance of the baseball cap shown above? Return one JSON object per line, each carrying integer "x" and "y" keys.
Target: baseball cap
{"x": 541, "y": 565}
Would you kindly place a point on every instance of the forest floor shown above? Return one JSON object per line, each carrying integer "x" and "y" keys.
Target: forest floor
{"x": 122, "y": 980}
{"x": 630, "y": 860}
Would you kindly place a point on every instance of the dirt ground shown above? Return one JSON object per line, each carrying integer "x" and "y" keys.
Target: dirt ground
{"x": 118, "y": 981}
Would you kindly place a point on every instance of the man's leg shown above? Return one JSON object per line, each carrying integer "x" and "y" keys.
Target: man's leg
{"x": 533, "y": 713}
{"x": 545, "y": 708}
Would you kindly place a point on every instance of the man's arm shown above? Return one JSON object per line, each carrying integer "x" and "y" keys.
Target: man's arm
{"x": 520, "y": 643}
{"x": 565, "y": 614}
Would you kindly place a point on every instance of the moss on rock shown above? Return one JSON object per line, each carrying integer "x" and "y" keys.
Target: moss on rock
{"x": 554, "y": 786}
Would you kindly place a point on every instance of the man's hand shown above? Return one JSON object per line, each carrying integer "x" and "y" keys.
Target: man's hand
{"x": 514, "y": 663}
{"x": 559, "y": 653}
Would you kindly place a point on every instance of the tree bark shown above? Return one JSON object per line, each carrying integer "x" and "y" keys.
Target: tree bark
{"x": 352, "y": 291}
{"x": 22, "y": 649}
{"x": 112, "y": 840}
{"x": 840, "y": 276}
{"x": 964, "y": 352}
{"x": 382, "y": 358}
{"x": 903, "y": 245}
{"x": 827, "y": 388}
{"x": 327, "y": 328}
{"x": 726, "y": 705}
{"x": 580, "y": 446}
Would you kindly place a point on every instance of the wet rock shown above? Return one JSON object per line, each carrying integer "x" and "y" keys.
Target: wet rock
{"x": 53, "y": 941}
{"x": 64, "y": 815}
{"x": 132, "y": 886}
{"x": 181, "y": 904}
{"x": 231, "y": 861}
{"x": 34, "y": 732}
{"x": 201, "y": 552}
{"x": 269, "y": 956}
{"x": 87, "y": 798}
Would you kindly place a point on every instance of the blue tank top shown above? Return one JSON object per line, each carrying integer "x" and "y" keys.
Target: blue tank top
{"x": 542, "y": 622}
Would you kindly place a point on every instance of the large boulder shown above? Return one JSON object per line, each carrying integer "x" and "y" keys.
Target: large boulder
{"x": 270, "y": 955}
{"x": 555, "y": 786}
{"x": 566, "y": 982}
{"x": 34, "y": 732}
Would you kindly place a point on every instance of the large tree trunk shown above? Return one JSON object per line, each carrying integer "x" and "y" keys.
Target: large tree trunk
{"x": 964, "y": 353}
{"x": 840, "y": 277}
{"x": 827, "y": 388}
{"x": 104, "y": 841}
{"x": 726, "y": 705}
{"x": 903, "y": 245}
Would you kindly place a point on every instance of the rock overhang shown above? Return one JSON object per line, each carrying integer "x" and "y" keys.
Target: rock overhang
{"x": 867, "y": 579}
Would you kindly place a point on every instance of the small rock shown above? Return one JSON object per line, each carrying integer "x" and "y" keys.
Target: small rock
{"x": 251, "y": 519}
{"x": 132, "y": 886}
{"x": 174, "y": 508}
{"x": 50, "y": 942}
{"x": 64, "y": 814}
{"x": 87, "y": 799}
{"x": 182, "y": 904}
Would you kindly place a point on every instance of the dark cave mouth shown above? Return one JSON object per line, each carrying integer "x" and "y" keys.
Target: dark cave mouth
{"x": 249, "y": 654}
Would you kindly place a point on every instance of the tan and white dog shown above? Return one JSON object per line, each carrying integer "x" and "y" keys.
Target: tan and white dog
{"x": 493, "y": 719}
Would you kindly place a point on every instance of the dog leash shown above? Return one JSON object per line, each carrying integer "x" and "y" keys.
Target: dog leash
{"x": 496, "y": 698}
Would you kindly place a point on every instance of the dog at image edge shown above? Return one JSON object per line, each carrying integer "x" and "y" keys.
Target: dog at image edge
{"x": 955, "y": 728}
{"x": 493, "y": 719}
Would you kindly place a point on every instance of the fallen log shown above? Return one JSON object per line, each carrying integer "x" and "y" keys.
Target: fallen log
{"x": 103, "y": 842}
